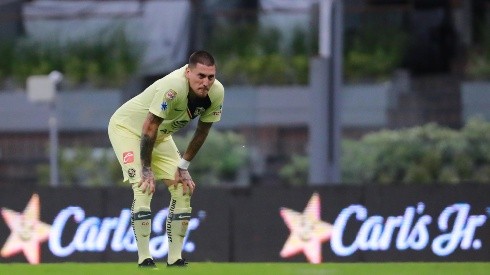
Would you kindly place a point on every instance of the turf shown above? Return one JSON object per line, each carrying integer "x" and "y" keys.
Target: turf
{"x": 252, "y": 268}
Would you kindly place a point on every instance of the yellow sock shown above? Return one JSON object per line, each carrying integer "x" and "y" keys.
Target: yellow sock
{"x": 177, "y": 222}
{"x": 141, "y": 221}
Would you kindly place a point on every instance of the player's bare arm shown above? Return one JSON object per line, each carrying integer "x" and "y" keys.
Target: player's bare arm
{"x": 198, "y": 139}
{"x": 195, "y": 144}
{"x": 148, "y": 137}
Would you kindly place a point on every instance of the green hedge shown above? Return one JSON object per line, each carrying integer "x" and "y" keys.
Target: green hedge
{"x": 373, "y": 53}
{"x": 218, "y": 162}
{"x": 104, "y": 62}
{"x": 261, "y": 57}
{"x": 478, "y": 63}
{"x": 249, "y": 55}
{"x": 420, "y": 155}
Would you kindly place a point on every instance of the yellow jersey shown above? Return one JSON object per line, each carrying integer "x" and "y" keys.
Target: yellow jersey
{"x": 168, "y": 98}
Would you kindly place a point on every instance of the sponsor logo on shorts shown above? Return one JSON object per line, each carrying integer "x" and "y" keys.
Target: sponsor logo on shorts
{"x": 131, "y": 172}
{"x": 128, "y": 157}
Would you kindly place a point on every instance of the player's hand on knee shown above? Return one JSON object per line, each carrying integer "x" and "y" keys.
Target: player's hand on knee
{"x": 185, "y": 178}
{"x": 147, "y": 180}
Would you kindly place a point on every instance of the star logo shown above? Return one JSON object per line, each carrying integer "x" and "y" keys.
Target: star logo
{"x": 27, "y": 231}
{"x": 308, "y": 232}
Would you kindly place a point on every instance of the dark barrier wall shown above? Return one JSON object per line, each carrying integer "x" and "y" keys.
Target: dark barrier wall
{"x": 261, "y": 224}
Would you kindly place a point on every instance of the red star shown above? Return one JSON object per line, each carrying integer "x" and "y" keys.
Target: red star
{"x": 308, "y": 232}
{"x": 27, "y": 231}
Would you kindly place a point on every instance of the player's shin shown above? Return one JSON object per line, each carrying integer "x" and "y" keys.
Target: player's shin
{"x": 142, "y": 231}
{"x": 141, "y": 222}
{"x": 177, "y": 222}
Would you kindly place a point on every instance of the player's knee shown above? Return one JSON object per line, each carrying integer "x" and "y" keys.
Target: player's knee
{"x": 178, "y": 197}
{"x": 170, "y": 183}
{"x": 141, "y": 199}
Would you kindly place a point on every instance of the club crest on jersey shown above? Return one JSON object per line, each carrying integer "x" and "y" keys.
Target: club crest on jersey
{"x": 199, "y": 111}
{"x": 170, "y": 94}
{"x": 128, "y": 157}
{"x": 131, "y": 172}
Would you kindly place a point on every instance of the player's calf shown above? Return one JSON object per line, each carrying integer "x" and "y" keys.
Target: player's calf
{"x": 179, "y": 215}
{"x": 142, "y": 229}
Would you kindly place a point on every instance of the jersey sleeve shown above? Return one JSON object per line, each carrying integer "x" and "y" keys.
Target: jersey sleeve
{"x": 162, "y": 100}
{"x": 213, "y": 113}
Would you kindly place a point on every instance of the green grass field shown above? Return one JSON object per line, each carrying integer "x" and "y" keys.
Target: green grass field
{"x": 252, "y": 268}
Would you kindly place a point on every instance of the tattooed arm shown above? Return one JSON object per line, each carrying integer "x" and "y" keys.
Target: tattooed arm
{"x": 148, "y": 137}
{"x": 198, "y": 139}
{"x": 195, "y": 144}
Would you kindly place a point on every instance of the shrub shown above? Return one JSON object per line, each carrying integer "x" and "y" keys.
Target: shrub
{"x": 84, "y": 166}
{"x": 106, "y": 62}
{"x": 419, "y": 155}
{"x": 478, "y": 64}
{"x": 219, "y": 161}
{"x": 257, "y": 57}
{"x": 373, "y": 53}
{"x": 425, "y": 154}
{"x": 296, "y": 171}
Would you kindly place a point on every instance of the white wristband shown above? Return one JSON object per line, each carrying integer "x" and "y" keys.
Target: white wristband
{"x": 183, "y": 164}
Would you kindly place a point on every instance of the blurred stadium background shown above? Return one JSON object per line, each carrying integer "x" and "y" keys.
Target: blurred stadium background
{"x": 412, "y": 114}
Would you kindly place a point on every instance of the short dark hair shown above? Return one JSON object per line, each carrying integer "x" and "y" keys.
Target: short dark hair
{"x": 202, "y": 57}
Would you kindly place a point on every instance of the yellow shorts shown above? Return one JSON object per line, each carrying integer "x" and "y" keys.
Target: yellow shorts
{"x": 126, "y": 145}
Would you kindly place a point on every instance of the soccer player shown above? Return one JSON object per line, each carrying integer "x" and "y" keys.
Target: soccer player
{"x": 141, "y": 131}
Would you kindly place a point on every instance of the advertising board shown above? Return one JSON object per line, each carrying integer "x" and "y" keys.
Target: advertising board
{"x": 261, "y": 224}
